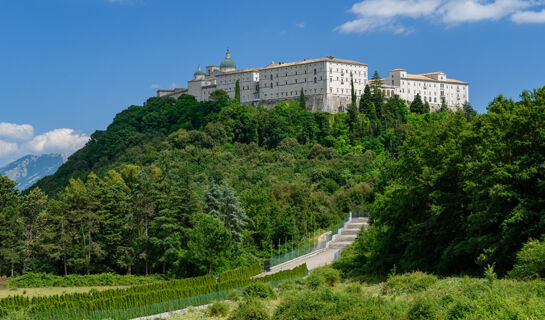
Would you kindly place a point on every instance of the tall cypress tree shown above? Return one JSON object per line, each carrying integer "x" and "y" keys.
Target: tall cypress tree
{"x": 366, "y": 100}
{"x": 444, "y": 106}
{"x": 469, "y": 112}
{"x": 302, "y": 101}
{"x": 353, "y": 91}
{"x": 237, "y": 92}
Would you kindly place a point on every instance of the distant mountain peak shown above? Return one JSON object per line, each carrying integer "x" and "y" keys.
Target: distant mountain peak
{"x": 31, "y": 168}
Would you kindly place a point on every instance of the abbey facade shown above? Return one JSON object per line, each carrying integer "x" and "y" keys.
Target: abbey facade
{"x": 326, "y": 83}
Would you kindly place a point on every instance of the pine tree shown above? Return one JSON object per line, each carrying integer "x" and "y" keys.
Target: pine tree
{"x": 234, "y": 215}
{"x": 444, "y": 106}
{"x": 302, "y": 100}
{"x": 237, "y": 92}
{"x": 376, "y": 81}
{"x": 210, "y": 242}
{"x": 469, "y": 112}
{"x": 417, "y": 106}
{"x": 56, "y": 232}
{"x": 222, "y": 203}
{"x": 11, "y": 226}
{"x": 31, "y": 206}
{"x": 212, "y": 200}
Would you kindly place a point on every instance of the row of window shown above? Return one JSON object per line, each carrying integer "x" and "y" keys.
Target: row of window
{"x": 342, "y": 71}
{"x": 292, "y": 93}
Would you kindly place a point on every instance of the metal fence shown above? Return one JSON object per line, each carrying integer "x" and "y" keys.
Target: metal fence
{"x": 359, "y": 214}
{"x": 301, "y": 251}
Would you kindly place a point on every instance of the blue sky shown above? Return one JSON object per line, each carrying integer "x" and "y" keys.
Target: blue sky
{"x": 68, "y": 66}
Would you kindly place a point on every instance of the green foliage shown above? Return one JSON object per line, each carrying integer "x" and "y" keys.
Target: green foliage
{"x": 237, "y": 92}
{"x": 417, "y": 106}
{"x": 136, "y": 296}
{"x": 210, "y": 242}
{"x": 240, "y": 273}
{"x": 302, "y": 100}
{"x": 250, "y": 310}
{"x": 16, "y": 315}
{"x": 421, "y": 309}
{"x": 530, "y": 261}
{"x": 408, "y": 283}
{"x": 325, "y": 276}
{"x": 444, "y": 107}
{"x": 259, "y": 290}
{"x": 489, "y": 273}
{"x": 217, "y": 309}
{"x": 40, "y": 280}
{"x": 472, "y": 189}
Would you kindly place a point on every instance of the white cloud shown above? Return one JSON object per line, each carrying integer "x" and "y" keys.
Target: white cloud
{"x": 7, "y": 148}
{"x": 13, "y": 131}
{"x": 57, "y": 140}
{"x": 384, "y": 15}
{"x": 529, "y": 17}
{"x": 472, "y": 10}
{"x": 154, "y": 86}
{"x": 300, "y": 25}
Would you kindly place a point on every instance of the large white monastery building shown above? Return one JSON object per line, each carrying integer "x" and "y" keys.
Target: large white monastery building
{"x": 326, "y": 83}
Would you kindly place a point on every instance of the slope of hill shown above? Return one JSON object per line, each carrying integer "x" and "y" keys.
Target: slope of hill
{"x": 31, "y": 168}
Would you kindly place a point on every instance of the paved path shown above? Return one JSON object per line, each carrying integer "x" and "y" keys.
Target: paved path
{"x": 326, "y": 256}
{"x": 166, "y": 315}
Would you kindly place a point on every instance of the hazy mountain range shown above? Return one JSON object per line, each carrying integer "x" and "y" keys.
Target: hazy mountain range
{"x": 31, "y": 168}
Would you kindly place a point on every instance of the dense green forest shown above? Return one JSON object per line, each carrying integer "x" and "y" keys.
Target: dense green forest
{"x": 186, "y": 188}
{"x": 175, "y": 175}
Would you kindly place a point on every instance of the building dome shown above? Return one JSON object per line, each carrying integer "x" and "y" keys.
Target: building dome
{"x": 198, "y": 73}
{"x": 228, "y": 64}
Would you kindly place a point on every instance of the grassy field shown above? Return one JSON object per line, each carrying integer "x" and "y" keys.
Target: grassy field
{"x": 402, "y": 297}
{"x": 35, "y": 292}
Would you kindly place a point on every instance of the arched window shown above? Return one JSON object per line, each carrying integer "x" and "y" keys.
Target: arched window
{"x": 315, "y": 71}
{"x": 315, "y": 80}
{"x": 271, "y": 84}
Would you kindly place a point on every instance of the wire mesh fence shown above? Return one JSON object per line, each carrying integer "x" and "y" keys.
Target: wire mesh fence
{"x": 301, "y": 251}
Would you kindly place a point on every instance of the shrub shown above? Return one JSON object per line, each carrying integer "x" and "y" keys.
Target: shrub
{"x": 259, "y": 290}
{"x": 218, "y": 308}
{"x": 530, "y": 262}
{"x": 324, "y": 276}
{"x": 16, "y": 315}
{"x": 421, "y": 310}
{"x": 408, "y": 283}
{"x": 234, "y": 295}
{"x": 250, "y": 310}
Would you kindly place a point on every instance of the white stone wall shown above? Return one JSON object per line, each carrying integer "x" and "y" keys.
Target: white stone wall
{"x": 339, "y": 75}
{"x": 201, "y": 89}
{"x": 328, "y": 81}
{"x": 432, "y": 90}
{"x": 248, "y": 82}
{"x": 285, "y": 82}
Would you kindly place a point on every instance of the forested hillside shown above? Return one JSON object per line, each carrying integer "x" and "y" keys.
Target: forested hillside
{"x": 186, "y": 188}
{"x": 132, "y": 200}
